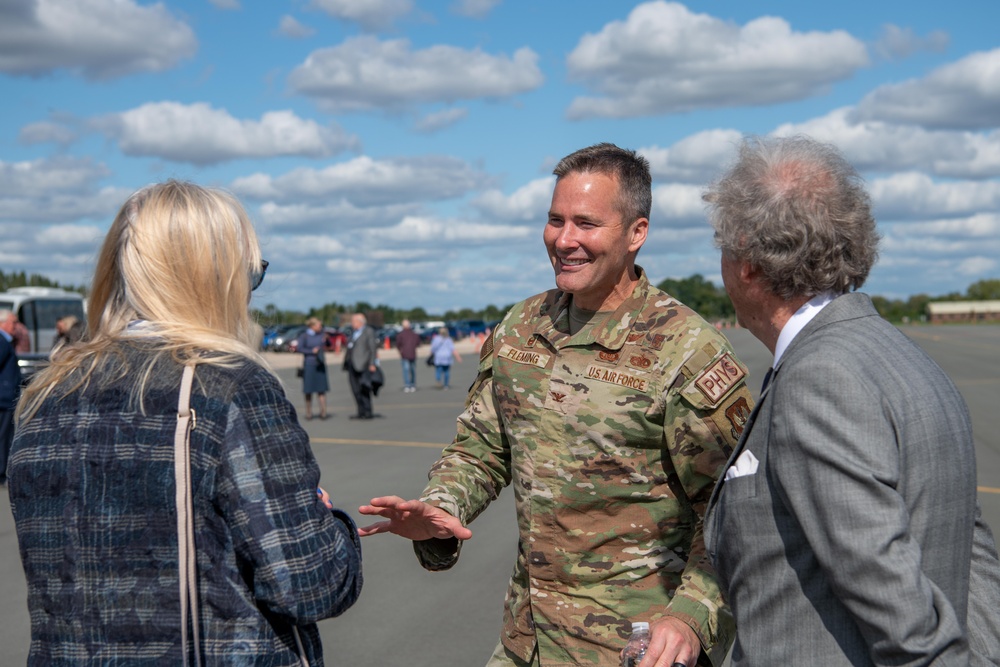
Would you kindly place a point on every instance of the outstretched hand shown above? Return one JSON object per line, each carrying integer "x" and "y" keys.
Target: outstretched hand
{"x": 412, "y": 519}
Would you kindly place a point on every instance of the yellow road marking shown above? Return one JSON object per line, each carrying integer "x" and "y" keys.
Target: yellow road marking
{"x": 391, "y": 443}
{"x": 987, "y": 489}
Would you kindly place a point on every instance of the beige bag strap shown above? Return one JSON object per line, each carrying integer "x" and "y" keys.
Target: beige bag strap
{"x": 186, "y": 419}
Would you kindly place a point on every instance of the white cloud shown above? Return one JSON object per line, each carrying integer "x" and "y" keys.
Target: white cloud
{"x": 200, "y": 134}
{"x": 474, "y": 8}
{"x": 44, "y": 132}
{"x": 665, "y": 59}
{"x": 694, "y": 159}
{"x": 530, "y": 202}
{"x": 289, "y": 27}
{"x": 50, "y": 176}
{"x": 915, "y": 196}
{"x": 896, "y": 43}
{"x": 417, "y": 229}
{"x": 978, "y": 226}
{"x": 70, "y": 236}
{"x": 338, "y": 216}
{"x": 101, "y": 39}
{"x": 961, "y": 95}
{"x": 677, "y": 206}
{"x": 977, "y": 266}
{"x": 364, "y": 73}
{"x": 440, "y": 120}
{"x": 369, "y": 14}
{"x": 366, "y": 182}
{"x": 884, "y": 146}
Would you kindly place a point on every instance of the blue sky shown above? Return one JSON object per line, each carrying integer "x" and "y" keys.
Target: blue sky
{"x": 400, "y": 151}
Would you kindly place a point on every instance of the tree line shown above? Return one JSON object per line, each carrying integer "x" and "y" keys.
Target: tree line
{"x": 694, "y": 291}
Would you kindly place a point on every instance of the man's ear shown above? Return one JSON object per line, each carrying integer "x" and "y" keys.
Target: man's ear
{"x": 748, "y": 272}
{"x": 637, "y": 234}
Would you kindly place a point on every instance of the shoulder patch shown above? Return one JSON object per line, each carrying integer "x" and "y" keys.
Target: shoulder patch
{"x": 717, "y": 380}
{"x": 487, "y": 351}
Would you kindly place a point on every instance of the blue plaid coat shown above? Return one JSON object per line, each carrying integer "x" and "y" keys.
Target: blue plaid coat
{"x": 92, "y": 492}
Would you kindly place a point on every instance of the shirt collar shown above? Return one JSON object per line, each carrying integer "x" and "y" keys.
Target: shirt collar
{"x": 798, "y": 321}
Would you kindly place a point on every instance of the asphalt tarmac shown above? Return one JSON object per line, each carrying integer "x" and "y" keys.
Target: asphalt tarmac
{"x": 413, "y": 618}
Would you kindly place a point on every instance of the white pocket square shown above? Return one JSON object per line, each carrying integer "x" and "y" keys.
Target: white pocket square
{"x": 745, "y": 465}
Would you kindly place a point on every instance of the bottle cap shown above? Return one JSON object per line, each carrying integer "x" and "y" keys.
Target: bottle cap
{"x": 640, "y": 625}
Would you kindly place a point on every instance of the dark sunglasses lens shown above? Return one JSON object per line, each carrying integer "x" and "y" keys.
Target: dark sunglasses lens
{"x": 259, "y": 277}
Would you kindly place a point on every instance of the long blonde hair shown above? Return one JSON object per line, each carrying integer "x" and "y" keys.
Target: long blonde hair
{"x": 182, "y": 258}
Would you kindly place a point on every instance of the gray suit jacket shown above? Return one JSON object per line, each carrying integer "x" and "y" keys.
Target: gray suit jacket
{"x": 361, "y": 353}
{"x": 851, "y": 543}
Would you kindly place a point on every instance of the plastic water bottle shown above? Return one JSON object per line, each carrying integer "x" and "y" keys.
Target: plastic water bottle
{"x": 637, "y": 645}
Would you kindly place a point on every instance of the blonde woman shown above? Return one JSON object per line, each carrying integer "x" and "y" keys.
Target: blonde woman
{"x": 92, "y": 483}
{"x": 311, "y": 343}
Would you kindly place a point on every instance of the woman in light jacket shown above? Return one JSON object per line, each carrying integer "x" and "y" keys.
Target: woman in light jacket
{"x": 92, "y": 483}
{"x": 443, "y": 351}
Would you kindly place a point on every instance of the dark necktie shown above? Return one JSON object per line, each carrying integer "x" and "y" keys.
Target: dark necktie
{"x": 767, "y": 380}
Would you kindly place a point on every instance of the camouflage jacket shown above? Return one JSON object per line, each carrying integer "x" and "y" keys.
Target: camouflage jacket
{"x": 612, "y": 439}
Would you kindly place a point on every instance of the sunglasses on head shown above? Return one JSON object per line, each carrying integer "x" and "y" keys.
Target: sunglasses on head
{"x": 258, "y": 278}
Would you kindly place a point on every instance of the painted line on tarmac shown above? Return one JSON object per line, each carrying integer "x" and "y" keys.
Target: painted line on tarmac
{"x": 391, "y": 443}
{"x": 987, "y": 489}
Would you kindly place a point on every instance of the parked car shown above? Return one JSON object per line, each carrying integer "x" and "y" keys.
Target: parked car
{"x": 39, "y": 308}
{"x": 460, "y": 329}
{"x": 283, "y": 340}
{"x": 336, "y": 339}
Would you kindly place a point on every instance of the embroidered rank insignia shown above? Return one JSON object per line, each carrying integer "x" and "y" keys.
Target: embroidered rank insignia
{"x": 716, "y": 380}
{"x": 531, "y": 341}
{"x": 738, "y": 414}
{"x": 526, "y": 357}
{"x": 595, "y": 372}
{"x": 557, "y": 396}
{"x": 639, "y": 361}
{"x": 610, "y": 357}
{"x": 656, "y": 341}
{"x": 487, "y": 350}
{"x": 633, "y": 337}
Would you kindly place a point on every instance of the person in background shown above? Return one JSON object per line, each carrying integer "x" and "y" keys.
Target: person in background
{"x": 311, "y": 344}
{"x": 21, "y": 335}
{"x": 92, "y": 482}
{"x": 843, "y": 529}
{"x": 69, "y": 329}
{"x": 359, "y": 359}
{"x": 610, "y": 408}
{"x": 407, "y": 342}
{"x": 443, "y": 351}
{"x": 10, "y": 387}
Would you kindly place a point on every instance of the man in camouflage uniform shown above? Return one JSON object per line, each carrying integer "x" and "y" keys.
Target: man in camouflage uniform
{"x": 610, "y": 407}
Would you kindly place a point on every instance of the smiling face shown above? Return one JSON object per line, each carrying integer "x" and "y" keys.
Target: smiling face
{"x": 591, "y": 248}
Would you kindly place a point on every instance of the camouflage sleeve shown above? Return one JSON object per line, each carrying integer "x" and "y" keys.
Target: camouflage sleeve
{"x": 472, "y": 470}
{"x": 707, "y": 409}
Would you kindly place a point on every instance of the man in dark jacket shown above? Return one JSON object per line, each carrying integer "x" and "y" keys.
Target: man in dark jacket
{"x": 360, "y": 358}
{"x": 10, "y": 386}
{"x": 407, "y": 342}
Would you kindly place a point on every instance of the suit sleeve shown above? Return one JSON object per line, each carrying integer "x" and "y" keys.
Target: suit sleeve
{"x": 837, "y": 470}
{"x": 984, "y": 597}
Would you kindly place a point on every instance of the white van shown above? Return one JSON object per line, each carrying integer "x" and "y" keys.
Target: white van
{"x": 39, "y": 308}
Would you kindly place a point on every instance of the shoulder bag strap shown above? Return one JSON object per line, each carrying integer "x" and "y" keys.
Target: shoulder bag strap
{"x": 187, "y": 564}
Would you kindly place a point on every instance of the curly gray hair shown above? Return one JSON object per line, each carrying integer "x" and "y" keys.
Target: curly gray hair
{"x": 796, "y": 210}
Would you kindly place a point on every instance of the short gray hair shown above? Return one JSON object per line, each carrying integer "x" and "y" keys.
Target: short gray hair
{"x": 797, "y": 211}
{"x": 5, "y": 314}
{"x": 627, "y": 167}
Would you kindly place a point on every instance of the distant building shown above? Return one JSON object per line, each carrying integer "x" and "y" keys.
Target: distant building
{"x": 963, "y": 311}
